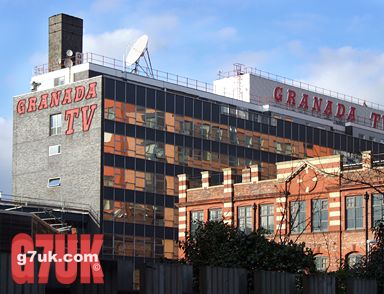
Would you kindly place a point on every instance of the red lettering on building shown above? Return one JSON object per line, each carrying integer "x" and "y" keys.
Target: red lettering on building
{"x": 79, "y": 93}
{"x": 43, "y": 102}
{"x": 55, "y": 98}
{"x": 340, "y": 110}
{"x": 20, "y": 108}
{"x": 291, "y": 98}
{"x": 352, "y": 114}
{"x": 28, "y": 260}
{"x": 91, "y": 91}
{"x": 317, "y": 104}
{"x": 70, "y": 115}
{"x": 87, "y": 119}
{"x": 66, "y": 272}
{"x": 67, "y": 96}
{"x": 328, "y": 108}
{"x": 278, "y": 94}
{"x": 44, "y": 241}
{"x": 22, "y": 243}
{"x": 325, "y": 110}
{"x": 88, "y": 268}
{"x": 304, "y": 102}
{"x": 375, "y": 118}
{"x": 32, "y": 104}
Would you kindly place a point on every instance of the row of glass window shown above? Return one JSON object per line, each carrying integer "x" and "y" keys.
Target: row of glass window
{"x": 140, "y": 213}
{"x": 148, "y": 247}
{"x": 185, "y": 155}
{"x": 298, "y": 220}
{"x": 321, "y": 261}
{"x": 139, "y": 114}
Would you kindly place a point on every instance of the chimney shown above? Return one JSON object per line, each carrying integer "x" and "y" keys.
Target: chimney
{"x": 205, "y": 179}
{"x": 65, "y": 33}
{"x": 246, "y": 175}
{"x": 255, "y": 173}
{"x": 367, "y": 159}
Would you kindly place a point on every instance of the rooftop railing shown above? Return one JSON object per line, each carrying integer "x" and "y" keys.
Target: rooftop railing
{"x": 140, "y": 70}
{"x": 242, "y": 69}
{"x": 208, "y": 87}
{"x": 53, "y": 204}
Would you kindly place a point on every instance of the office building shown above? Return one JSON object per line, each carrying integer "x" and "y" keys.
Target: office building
{"x": 99, "y": 132}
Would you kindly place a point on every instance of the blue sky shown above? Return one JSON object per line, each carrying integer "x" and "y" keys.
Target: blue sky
{"x": 333, "y": 44}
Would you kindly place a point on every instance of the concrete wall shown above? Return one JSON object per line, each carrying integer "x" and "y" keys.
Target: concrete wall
{"x": 79, "y": 163}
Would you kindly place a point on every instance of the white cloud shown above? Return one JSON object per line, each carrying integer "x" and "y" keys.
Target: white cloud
{"x": 112, "y": 44}
{"x": 117, "y": 43}
{"x": 359, "y": 73}
{"x": 5, "y": 155}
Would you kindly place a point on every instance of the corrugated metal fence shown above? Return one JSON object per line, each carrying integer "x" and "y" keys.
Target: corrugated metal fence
{"x": 176, "y": 278}
{"x": 319, "y": 284}
{"x": 360, "y": 286}
{"x": 219, "y": 280}
{"x": 166, "y": 279}
{"x": 7, "y": 285}
{"x": 274, "y": 283}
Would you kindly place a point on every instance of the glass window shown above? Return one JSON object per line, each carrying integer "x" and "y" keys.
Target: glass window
{"x": 267, "y": 217}
{"x": 321, "y": 263}
{"x": 354, "y": 208}
{"x": 186, "y": 127}
{"x": 154, "y": 120}
{"x": 207, "y": 155}
{"x": 244, "y": 219}
{"x": 233, "y": 135}
{"x": 278, "y": 147}
{"x": 204, "y": 131}
{"x": 54, "y": 182}
{"x": 154, "y": 151}
{"x": 154, "y": 183}
{"x": 158, "y": 215}
{"x": 54, "y": 150}
{"x": 248, "y": 141}
{"x": 377, "y": 208}
{"x": 55, "y": 124}
{"x": 288, "y": 148}
{"x": 196, "y": 217}
{"x": 233, "y": 160}
{"x": 110, "y": 113}
{"x": 217, "y": 134}
{"x": 319, "y": 215}
{"x": 298, "y": 216}
{"x": 197, "y": 154}
{"x": 354, "y": 259}
{"x": 59, "y": 81}
{"x": 215, "y": 215}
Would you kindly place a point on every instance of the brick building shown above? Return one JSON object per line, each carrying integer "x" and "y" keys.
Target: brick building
{"x": 96, "y": 132}
{"x": 320, "y": 201}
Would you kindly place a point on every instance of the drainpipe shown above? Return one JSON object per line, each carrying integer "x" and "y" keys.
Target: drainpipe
{"x": 366, "y": 197}
{"x": 254, "y": 206}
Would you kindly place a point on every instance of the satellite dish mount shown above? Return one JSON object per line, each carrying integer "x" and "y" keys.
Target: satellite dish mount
{"x": 139, "y": 51}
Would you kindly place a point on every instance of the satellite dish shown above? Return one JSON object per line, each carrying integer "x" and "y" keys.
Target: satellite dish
{"x": 69, "y": 53}
{"x": 138, "y": 49}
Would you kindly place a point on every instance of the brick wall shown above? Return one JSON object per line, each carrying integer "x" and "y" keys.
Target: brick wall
{"x": 301, "y": 180}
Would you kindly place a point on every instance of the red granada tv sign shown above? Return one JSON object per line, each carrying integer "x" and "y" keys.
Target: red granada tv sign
{"x": 332, "y": 109}
{"x": 68, "y": 96}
